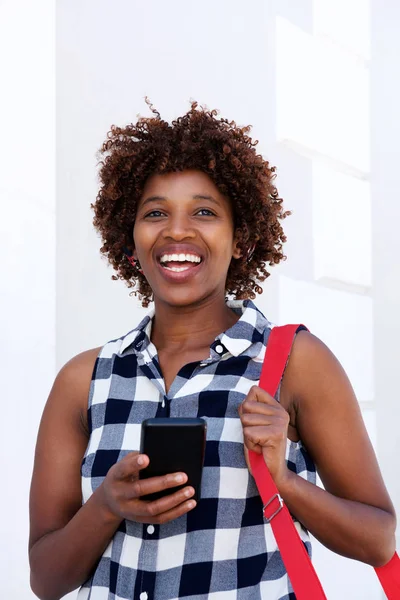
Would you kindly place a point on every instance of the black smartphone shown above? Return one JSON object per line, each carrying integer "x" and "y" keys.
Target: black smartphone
{"x": 174, "y": 445}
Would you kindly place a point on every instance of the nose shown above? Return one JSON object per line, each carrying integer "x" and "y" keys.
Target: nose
{"x": 179, "y": 227}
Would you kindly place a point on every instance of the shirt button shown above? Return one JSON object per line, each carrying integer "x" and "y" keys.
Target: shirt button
{"x": 219, "y": 349}
{"x": 143, "y": 596}
{"x": 150, "y": 529}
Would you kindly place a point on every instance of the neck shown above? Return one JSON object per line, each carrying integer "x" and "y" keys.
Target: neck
{"x": 190, "y": 327}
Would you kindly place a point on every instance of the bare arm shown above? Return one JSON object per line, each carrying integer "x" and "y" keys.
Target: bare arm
{"x": 66, "y": 538}
{"x": 353, "y": 516}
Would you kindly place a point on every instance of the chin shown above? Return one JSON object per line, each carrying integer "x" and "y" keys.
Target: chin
{"x": 182, "y": 297}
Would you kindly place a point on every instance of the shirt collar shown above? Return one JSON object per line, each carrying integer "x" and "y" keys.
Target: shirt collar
{"x": 139, "y": 334}
{"x": 248, "y": 330}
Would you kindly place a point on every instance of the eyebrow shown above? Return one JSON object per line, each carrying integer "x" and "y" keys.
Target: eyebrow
{"x": 195, "y": 197}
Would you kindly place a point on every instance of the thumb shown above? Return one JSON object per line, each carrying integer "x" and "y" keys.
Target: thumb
{"x": 130, "y": 465}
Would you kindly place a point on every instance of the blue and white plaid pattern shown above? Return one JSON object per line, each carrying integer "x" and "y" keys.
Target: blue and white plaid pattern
{"x": 223, "y": 549}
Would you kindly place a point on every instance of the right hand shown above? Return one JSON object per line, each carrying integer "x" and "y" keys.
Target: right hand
{"x": 121, "y": 491}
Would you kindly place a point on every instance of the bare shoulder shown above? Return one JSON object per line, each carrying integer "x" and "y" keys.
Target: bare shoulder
{"x": 80, "y": 365}
{"x": 55, "y": 494}
{"x": 74, "y": 378}
{"x": 309, "y": 359}
{"x": 308, "y": 347}
{"x": 315, "y": 383}
{"x": 330, "y": 424}
{"x": 312, "y": 365}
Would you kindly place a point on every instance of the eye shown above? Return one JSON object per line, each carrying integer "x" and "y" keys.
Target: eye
{"x": 153, "y": 212}
{"x": 210, "y": 213}
{"x": 157, "y": 213}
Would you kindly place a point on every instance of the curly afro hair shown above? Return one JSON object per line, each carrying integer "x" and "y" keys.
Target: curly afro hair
{"x": 197, "y": 140}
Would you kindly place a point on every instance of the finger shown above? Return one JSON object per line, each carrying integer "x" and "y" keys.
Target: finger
{"x": 256, "y": 419}
{"x": 250, "y": 444}
{"x": 247, "y": 458}
{"x": 130, "y": 465}
{"x": 177, "y": 512}
{"x": 251, "y": 406}
{"x": 171, "y": 514}
{"x": 257, "y": 394}
{"x": 263, "y": 436}
{"x": 142, "y": 487}
{"x": 153, "y": 509}
{"x": 167, "y": 503}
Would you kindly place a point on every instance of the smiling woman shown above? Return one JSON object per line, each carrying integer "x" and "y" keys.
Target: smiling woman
{"x": 226, "y": 183}
{"x": 189, "y": 215}
{"x": 185, "y": 224}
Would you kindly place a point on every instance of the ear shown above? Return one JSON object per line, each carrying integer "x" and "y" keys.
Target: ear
{"x": 236, "y": 252}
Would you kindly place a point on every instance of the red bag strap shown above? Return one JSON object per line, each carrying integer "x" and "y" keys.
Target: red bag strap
{"x": 300, "y": 570}
{"x": 297, "y": 562}
{"x": 389, "y": 576}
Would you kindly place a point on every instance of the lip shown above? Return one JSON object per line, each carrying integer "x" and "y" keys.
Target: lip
{"x": 181, "y": 276}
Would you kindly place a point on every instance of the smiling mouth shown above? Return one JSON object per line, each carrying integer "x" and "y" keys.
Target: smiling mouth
{"x": 178, "y": 263}
{"x": 178, "y": 271}
{"x": 178, "y": 267}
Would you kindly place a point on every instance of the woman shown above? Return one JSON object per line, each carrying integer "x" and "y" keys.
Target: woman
{"x": 189, "y": 212}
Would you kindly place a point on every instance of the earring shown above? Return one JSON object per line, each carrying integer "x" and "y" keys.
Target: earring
{"x": 134, "y": 262}
{"x": 250, "y": 253}
{"x": 138, "y": 266}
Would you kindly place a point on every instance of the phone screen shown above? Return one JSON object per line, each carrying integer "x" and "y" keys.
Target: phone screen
{"x": 174, "y": 445}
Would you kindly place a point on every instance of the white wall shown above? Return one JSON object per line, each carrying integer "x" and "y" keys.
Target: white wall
{"x": 385, "y": 130}
{"x": 243, "y": 60}
{"x": 27, "y": 283}
{"x": 108, "y": 59}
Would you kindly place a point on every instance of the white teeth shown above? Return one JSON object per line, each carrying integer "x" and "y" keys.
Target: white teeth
{"x": 180, "y": 258}
{"x": 177, "y": 269}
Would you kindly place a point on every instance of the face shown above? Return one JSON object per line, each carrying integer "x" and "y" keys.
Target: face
{"x": 184, "y": 237}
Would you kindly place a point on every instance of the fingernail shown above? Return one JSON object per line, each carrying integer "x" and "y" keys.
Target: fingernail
{"x": 189, "y": 492}
{"x": 192, "y": 504}
{"x": 179, "y": 478}
{"x": 140, "y": 460}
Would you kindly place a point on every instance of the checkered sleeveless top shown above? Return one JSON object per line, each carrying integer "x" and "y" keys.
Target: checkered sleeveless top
{"x": 223, "y": 549}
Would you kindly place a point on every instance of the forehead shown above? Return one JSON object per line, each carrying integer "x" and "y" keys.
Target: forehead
{"x": 181, "y": 185}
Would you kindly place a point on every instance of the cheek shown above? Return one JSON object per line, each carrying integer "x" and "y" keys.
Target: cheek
{"x": 142, "y": 236}
{"x": 219, "y": 239}
{"x": 135, "y": 233}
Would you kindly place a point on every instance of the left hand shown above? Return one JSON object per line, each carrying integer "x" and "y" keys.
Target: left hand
{"x": 265, "y": 427}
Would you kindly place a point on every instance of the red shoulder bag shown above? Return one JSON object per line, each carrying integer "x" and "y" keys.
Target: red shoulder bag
{"x": 298, "y": 565}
